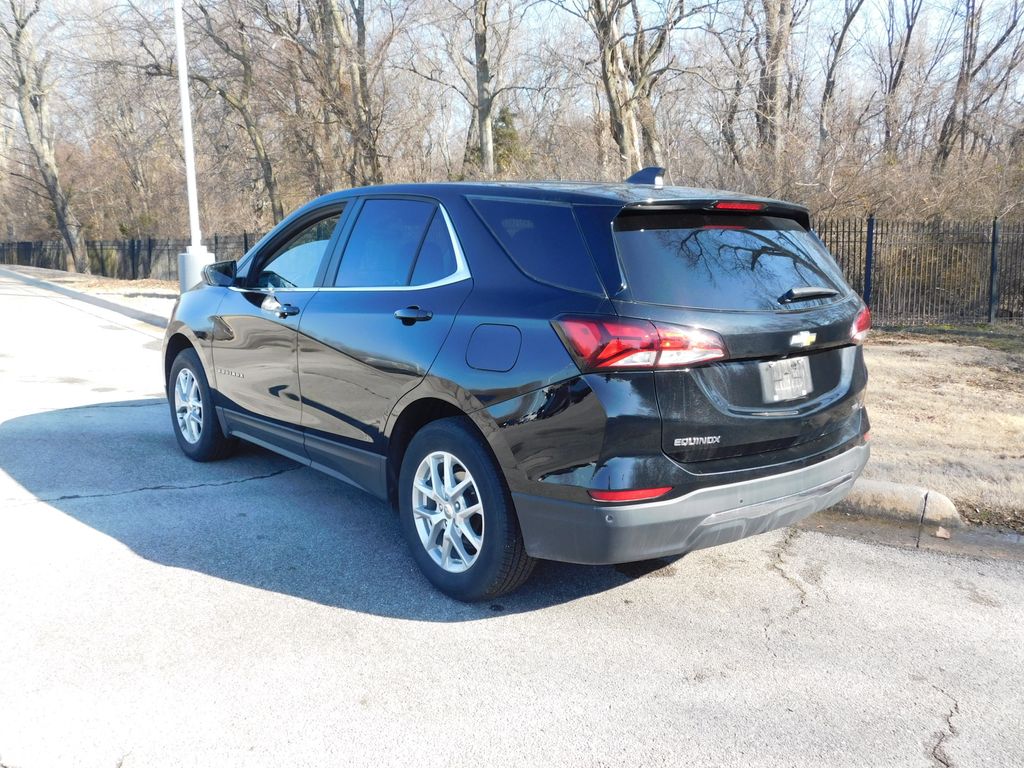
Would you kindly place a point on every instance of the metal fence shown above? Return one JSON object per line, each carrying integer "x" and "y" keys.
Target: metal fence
{"x": 909, "y": 272}
{"x": 934, "y": 272}
{"x": 132, "y": 259}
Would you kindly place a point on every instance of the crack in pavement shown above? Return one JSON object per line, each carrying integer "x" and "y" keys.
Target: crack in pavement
{"x": 938, "y": 753}
{"x": 162, "y": 487}
{"x": 777, "y": 564}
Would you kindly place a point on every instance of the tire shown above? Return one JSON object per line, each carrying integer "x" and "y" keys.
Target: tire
{"x": 199, "y": 434}
{"x": 470, "y": 573}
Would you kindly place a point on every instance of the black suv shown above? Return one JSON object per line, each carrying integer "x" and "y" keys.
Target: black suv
{"x": 593, "y": 373}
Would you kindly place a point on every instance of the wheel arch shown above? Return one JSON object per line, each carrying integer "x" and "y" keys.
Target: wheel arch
{"x": 412, "y": 416}
{"x": 182, "y": 338}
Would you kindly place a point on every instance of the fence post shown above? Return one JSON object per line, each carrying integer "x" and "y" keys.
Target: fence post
{"x": 869, "y": 258}
{"x": 245, "y": 242}
{"x": 216, "y": 243}
{"x": 993, "y": 274}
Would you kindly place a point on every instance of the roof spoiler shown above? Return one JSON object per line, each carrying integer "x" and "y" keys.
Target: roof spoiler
{"x": 652, "y": 175}
{"x": 797, "y": 213}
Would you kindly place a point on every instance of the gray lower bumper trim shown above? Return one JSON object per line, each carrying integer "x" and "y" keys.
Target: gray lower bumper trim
{"x": 584, "y": 533}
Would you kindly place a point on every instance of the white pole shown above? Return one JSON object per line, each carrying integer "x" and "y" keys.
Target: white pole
{"x": 190, "y": 263}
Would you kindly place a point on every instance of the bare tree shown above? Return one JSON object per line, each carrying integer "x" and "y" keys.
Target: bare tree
{"x": 771, "y": 92}
{"x": 899, "y": 31}
{"x": 331, "y": 40}
{"x": 973, "y": 90}
{"x": 836, "y": 49}
{"x": 26, "y": 71}
{"x": 233, "y": 38}
{"x": 484, "y": 85}
{"x": 631, "y": 54}
{"x": 488, "y": 28}
{"x": 737, "y": 44}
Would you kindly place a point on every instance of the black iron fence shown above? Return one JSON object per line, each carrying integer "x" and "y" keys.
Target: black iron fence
{"x": 909, "y": 272}
{"x": 932, "y": 272}
{"x": 130, "y": 259}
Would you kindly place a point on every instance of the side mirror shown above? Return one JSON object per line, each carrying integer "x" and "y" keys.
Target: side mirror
{"x": 220, "y": 273}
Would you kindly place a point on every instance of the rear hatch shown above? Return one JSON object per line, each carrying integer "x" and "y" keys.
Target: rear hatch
{"x": 792, "y": 378}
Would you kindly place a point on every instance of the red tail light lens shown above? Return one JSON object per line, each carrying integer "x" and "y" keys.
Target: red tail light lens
{"x": 861, "y": 326}
{"x": 602, "y": 343}
{"x": 639, "y": 494}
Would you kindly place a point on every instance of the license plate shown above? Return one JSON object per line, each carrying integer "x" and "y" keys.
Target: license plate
{"x": 788, "y": 379}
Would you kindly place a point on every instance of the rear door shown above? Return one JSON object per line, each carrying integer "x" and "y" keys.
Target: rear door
{"x": 372, "y": 332}
{"x": 254, "y": 346}
{"x": 792, "y": 383}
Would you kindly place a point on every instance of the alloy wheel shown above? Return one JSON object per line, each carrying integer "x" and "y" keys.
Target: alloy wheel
{"x": 448, "y": 512}
{"x": 188, "y": 406}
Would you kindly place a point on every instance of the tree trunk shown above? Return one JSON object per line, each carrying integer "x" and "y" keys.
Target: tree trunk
{"x": 364, "y": 167}
{"x": 31, "y": 91}
{"x": 621, "y": 113}
{"x": 899, "y": 50}
{"x": 778, "y": 22}
{"x": 484, "y": 88}
{"x": 851, "y": 9}
{"x": 652, "y": 151}
{"x": 265, "y": 163}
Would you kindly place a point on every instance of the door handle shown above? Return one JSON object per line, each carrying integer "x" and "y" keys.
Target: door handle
{"x": 411, "y": 315}
{"x": 275, "y": 307}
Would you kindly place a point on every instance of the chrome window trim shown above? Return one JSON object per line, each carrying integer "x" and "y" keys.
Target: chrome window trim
{"x": 461, "y": 270}
{"x": 461, "y": 267}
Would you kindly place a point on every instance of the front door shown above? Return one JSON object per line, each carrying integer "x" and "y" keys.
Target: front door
{"x": 371, "y": 334}
{"x": 254, "y": 349}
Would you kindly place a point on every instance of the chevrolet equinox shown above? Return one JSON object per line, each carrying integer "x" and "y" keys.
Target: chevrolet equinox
{"x": 592, "y": 373}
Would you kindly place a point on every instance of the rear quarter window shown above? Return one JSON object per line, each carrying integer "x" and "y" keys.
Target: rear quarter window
{"x": 543, "y": 239}
{"x": 724, "y": 262}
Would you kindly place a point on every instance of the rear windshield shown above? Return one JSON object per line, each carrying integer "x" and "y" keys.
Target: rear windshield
{"x": 714, "y": 261}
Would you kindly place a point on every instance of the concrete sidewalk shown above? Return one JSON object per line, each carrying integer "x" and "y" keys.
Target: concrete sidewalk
{"x": 129, "y": 298}
{"x": 251, "y": 612}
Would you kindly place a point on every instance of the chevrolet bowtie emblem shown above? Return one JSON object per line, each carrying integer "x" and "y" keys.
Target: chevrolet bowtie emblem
{"x": 803, "y": 339}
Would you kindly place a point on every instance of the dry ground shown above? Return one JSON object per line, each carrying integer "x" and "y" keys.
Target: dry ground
{"x": 99, "y": 285}
{"x": 946, "y": 404}
{"x": 947, "y": 413}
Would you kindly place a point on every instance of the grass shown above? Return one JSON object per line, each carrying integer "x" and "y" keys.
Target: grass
{"x": 947, "y": 413}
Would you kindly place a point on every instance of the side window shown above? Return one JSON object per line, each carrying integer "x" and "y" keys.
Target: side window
{"x": 543, "y": 239}
{"x": 295, "y": 264}
{"x": 382, "y": 248}
{"x": 436, "y": 259}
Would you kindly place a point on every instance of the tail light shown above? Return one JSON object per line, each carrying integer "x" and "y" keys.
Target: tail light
{"x": 603, "y": 343}
{"x": 861, "y": 326}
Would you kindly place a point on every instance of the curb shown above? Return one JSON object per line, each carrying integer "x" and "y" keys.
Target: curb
{"x": 134, "y": 314}
{"x": 903, "y": 503}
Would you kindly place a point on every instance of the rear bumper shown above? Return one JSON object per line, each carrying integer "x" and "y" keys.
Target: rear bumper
{"x": 600, "y": 534}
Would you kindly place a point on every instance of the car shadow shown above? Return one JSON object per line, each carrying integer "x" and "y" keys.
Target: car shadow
{"x": 256, "y": 519}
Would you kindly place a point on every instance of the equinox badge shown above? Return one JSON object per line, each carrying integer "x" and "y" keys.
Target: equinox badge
{"x": 679, "y": 442}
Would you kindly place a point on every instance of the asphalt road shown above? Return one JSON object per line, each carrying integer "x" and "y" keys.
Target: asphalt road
{"x": 157, "y": 612}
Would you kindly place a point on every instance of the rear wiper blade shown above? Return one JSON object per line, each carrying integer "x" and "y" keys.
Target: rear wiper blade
{"x": 807, "y": 292}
